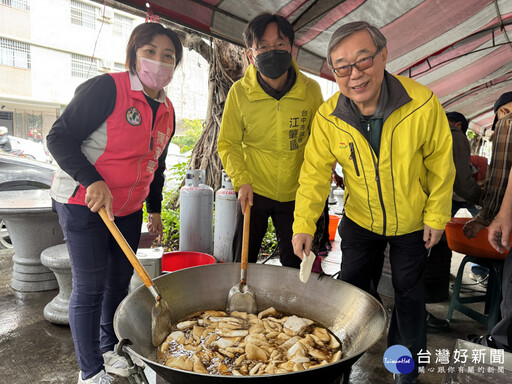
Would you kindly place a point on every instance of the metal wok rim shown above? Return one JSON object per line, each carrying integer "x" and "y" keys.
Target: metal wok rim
{"x": 353, "y": 356}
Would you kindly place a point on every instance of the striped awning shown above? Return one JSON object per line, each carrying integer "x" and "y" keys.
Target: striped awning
{"x": 461, "y": 49}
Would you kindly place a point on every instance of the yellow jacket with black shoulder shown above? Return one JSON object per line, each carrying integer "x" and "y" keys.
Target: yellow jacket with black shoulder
{"x": 408, "y": 185}
{"x": 261, "y": 140}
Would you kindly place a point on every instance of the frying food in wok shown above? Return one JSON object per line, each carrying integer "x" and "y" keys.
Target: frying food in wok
{"x": 244, "y": 344}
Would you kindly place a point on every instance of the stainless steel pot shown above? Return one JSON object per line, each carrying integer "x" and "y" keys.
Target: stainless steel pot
{"x": 354, "y": 316}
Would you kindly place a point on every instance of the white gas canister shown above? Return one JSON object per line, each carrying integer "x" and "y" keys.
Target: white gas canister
{"x": 196, "y": 214}
{"x": 225, "y": 215}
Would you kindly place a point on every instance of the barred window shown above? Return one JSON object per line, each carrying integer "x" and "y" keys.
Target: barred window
{"x": 118, "y": 67}
{"x": 19, "y": 4}
{"x": 83, "y": 14}
{"x": 14, "y": 53}
{"x": 122, "y": 25}
{"x": 83, "y": 67}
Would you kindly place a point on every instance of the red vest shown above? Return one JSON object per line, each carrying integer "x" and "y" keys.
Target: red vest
{"x": 125, "y": 150}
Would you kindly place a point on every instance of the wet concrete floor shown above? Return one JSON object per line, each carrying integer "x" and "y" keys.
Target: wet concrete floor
{"x": 33, "y": 350}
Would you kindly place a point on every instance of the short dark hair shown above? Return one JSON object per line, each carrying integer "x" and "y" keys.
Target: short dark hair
{"x": 142, "y": 35}
{"x": 458, "y": 117}
{"x": 256, "y": 28}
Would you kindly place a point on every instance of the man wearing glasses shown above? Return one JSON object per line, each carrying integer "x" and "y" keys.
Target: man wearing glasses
{"x": 391, "y": 136}
{"x": 265, "y": 126}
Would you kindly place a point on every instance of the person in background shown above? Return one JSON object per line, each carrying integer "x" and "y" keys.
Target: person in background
{"x": 466, "y": 190}
{"x": 110, "y": 144}
{"x": 392, "y": 139}
{"x": 495, "y": 212}
{"x": 5, "y": 143}
{"x": 265, "y": 126}
{"x": 497, "y": 174}
{"x": 499, "y": 237}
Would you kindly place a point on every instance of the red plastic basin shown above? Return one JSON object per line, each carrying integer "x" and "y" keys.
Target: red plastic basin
{"x": 174, "y": 261}
{"x": 478, "y": 246}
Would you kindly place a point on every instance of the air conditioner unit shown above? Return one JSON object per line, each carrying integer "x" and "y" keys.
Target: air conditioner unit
{"x": 107, "y": 14}
{"x": 105, "y": 65}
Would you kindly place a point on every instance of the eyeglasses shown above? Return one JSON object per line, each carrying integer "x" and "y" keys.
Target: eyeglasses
{"x": 280, "y": 47}
{"x": 361, "y": 65}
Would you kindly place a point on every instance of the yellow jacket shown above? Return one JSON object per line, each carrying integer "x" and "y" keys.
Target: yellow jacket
{"x": 410, "y": 184}
{"x": 261, "y": 140}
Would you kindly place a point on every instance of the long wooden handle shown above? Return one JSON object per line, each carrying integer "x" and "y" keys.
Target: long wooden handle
{"x": 245, "y": 239}
{"x": 128, "y": 251}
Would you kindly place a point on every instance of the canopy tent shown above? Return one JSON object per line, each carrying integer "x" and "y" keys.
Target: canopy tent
{"x": 461, "y": 49}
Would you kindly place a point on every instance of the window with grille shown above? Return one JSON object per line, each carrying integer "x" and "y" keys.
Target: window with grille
{"x": 83, "y": 67}
{"x": 19, "y": 4}
{"x": 122, "y": 25}
{"x": 118, "y": 67}
{"x": 83, "y": 14}
{"x": 14, "y": 53}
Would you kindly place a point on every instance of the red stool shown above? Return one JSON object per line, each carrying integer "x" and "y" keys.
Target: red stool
{"x": 479, "y": 251}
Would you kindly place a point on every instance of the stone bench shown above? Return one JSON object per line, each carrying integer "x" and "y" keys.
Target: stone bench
{"x": 56, "y": 258}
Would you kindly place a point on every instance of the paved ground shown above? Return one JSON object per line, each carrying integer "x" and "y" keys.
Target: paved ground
{"x": 32, "y": 350}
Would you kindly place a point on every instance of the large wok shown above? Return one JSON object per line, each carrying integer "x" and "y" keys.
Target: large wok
{"x": 354, "y": 316}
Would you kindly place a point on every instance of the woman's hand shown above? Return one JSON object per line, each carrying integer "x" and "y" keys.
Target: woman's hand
{"x": 155, "y": 225}
{"x": 97, "y": 196}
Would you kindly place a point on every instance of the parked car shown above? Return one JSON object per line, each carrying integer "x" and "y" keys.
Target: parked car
{"x": 30, "y": 149}
{"x": 19, "y": 173}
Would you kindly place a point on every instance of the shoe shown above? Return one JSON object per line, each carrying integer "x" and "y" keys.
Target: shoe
{"x": 485, "y": 340}
{"x": 400, "y": 378}
{"x": 480, "y": 278}
{"x": 435, "y": 325}
{"x": 117, "y": 365}
{"x": 100, "y": 378}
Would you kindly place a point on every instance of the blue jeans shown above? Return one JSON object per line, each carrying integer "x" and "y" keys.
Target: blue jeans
{"x": 101, "y": 277}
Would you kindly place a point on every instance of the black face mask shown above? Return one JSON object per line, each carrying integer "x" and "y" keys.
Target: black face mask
{"x": 273, "y": 64}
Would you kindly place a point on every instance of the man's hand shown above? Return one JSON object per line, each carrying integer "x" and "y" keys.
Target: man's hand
{"x": 471, "y": 228}
{"x": 431, "y": 236}
{"x": 499, "y": 233}
{"x": 155, "y": 225}
{"x": 245, "y": 194}
{"x": 97, "y": 196}
{"x": 302, "y": 243}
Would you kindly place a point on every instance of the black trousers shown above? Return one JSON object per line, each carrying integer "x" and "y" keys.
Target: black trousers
{"x": 362, "y": 251}
{"x": 282, "y": 217}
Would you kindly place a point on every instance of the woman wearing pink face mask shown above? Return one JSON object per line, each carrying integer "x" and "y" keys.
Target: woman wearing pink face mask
{"x": 110, "y": 144}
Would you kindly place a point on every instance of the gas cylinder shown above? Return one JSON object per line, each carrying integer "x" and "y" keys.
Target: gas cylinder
{"x": 196, "y": 213}
{"x": 225, "y": 216}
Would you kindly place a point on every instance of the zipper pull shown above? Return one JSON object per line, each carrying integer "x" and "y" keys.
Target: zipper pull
{"x": 368, "y": 126}
{"x": 377, "y": 174}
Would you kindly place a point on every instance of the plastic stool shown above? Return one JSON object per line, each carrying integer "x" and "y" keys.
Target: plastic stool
{"x": 479, "y": 251}
{"x": 492, "y": 296}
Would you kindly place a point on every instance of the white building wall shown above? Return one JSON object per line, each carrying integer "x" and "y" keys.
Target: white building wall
{"x": 54, "y": 38}
{"x": 48, "y": 85}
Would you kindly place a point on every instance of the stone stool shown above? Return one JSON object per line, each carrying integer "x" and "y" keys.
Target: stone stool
{"x": 56, "y": 258}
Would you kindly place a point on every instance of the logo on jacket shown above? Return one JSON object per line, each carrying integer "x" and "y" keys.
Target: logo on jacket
{"x": 133, "y": 116}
